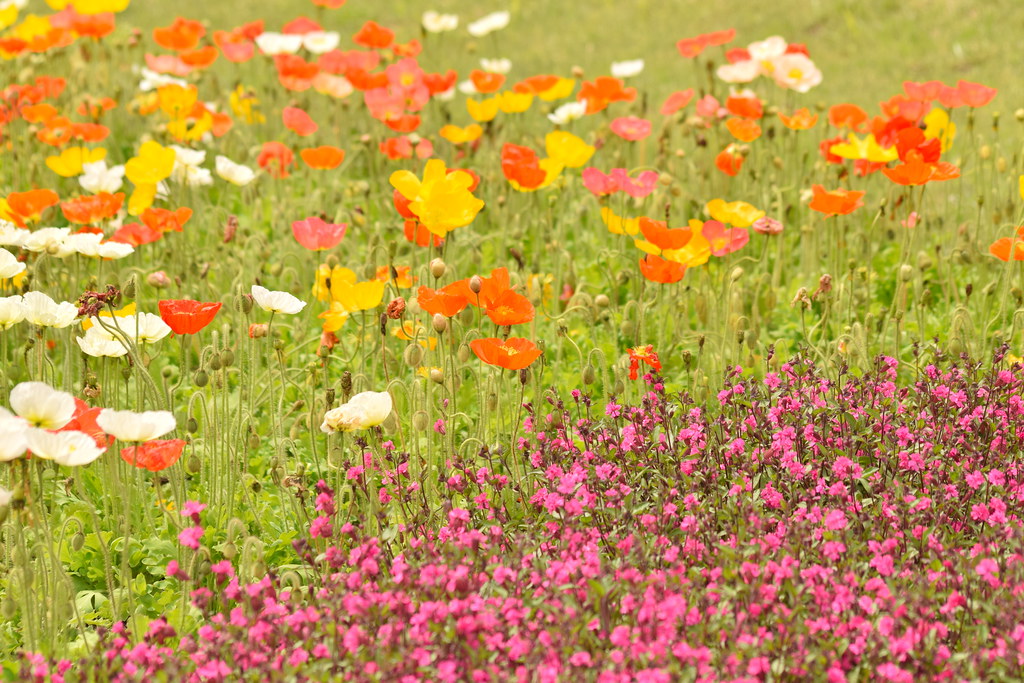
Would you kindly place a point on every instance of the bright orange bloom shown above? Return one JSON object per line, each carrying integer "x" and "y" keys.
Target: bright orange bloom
{"x": 165, "y": 220}
{"x": 802, "y": 119}
{"x": 660, "y": 235}
{"x": 536, "y": 84}
{"x": 38, "y": 113}
{"x": 374, "y": 36}
{"x": 405, "y": 123}
{"x": 746, "y": 107}
{"x": 154, "y": 455}
{"x": 514, "y": 353}
{"x": 94, "y": 26}
{"x": 24, "y": 207}
{"x": 520, "y": 164}
{"x": 510, "y": 308}
{"x": 186, "y": 316}
{"x": 275, "y": 158}
{"x": 92, "y": 208}
{"x": 692, "y": 47}
{"x": 446, "y": 301}
{"x": 201, "y": 58}
{"x": 323, "y": 158}
{"x": 84, "y": 420}
{"x": 602, "y": 91}
{"x": 835, "y": 202}
{"x": 1003, "y": 247}
{"x": 927, "y": 91}
{"x": 729, "y": 161}
{"x": 183, "y": 34}
{"x": 847, "y": 116}
{"x": 416, "y": 233}
{"x": 490, "y": 288}
{"x": 298, "y": 121}
{"x": 743, "y": 130}
{"x": 900, "y": 105}
{"x": 657, "y": 269}
{"x": 915, "y": 171}
{"x": 294, "y": 72}
{"x": 486, "y": 82}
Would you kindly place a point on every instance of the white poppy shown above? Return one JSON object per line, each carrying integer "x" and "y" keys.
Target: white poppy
{"x": 271, "y": 43}
{"x": 98, "y": 344}
{"x": 319, "y": 42}
{"x": 236, "y": 174}
{"x": 144, "y": 328}
{"x": 12, "y": 311}
{"x": 467, "y": 87}
{"x": 43, "y": 311}
{"x": 49, "y": 240}
{"x": 435, "y": 22}
{"x": 496, "y": 66}
{"x": 151, "y": 80}
{"x": 69, "y": 448}
{"x": 115, "y": 250}
{"x": 740, "y": 72}
{"x": 11, "y": 235}
{"x": 41, "y": 405}
{"x": 492, "y": 22}
{"x": 795, "y": 72}
{"x": 276, "y": 302}
{"x": 97, "y": 177}
{"x": 570, "y": 111}
{"x": 12, "y": 438}
{"x": 769, "y": 48}
{"x": 9, "y": 265}
{"x": 368, "y": 409}
{"x": 126, "y": 425}
{"x": 628, "y": 68}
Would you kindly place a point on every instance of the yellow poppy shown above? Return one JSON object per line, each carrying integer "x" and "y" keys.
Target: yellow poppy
{"x": 482, "y": 111}
{"x": 567, "y": 149}
{"x": 736, "y": 214}
{"x": 71, "y": 159}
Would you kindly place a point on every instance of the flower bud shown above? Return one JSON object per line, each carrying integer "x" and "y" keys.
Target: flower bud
{"x": 420, "y": 421}
{"x": 129, "y": 289}
{"x": 436, "y": 375}
{"x": 193, "y": 465}
{"x": 463, "y": 353}
{"x": 589, "y": 374}
{"x": 158, "y": 279}
{"x": 258, "y": 330}
{"x": 192, "y": 425}
{"x": 602, "y": 301}
{"x": 476, "y": 284}
{"x": 413, "y": 355}
{"x": 438, "y": 268}
{"x": 201, "y": 378}
{"x": 440, "y": 323}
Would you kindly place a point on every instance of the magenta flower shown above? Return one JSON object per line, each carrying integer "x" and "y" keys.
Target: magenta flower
{"x": 317, "y": 234}
{"x": 638, "y": 187}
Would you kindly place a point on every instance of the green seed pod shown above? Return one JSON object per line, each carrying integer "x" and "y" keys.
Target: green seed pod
{"x": 420, "y": 421}
{"x": 618, "y": 387}
{"x": 413, "y": 355}
{"x": 201, "y": 378}
{"x": 213, "y": 363}
{"x": 126, "y": 371}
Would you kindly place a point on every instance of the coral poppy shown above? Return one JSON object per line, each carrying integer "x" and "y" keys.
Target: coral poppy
{"x": 724, "y": 241}
{"x": 323, "y": 158}
{"x": 657, "y": 269}
{"x": 186, "y": 316}
{"x": 802, "y": 119}
{"x": 631, "y": 128}
{"x": 835, "y": 202}
{"x": 676, "y": 101}
{"x": 154, "y": 455}
{"x": 692, "y": 47}
{"x": 730, "y": 160}
{"x": 276, "y": 158}
{"x": 847, "y": 116}
{"x": 166, "y": 220}
{"x": 298, "y": 121}
{"x": 510, "y": 308}
{"x": 316, "y": 234}
{"x": 1004, "y": 247}
{"x": 92, "y": 208}
{"x": 599, "y": 183}
{"x": 514, "y": 353}
{"x": 374, "y": 36}
{"x": 743, "y": 130}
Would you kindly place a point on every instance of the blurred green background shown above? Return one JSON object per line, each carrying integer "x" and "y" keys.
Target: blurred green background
{"x": 865, "y": 48}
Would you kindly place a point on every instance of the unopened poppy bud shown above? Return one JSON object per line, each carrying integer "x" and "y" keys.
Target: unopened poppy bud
{"x": 665, "y": 179}
{"x": 985, "y": 152}
{"x": 577, "y": 72}
{"x": 129, "y": 288}
{"x": 227, "y": 357}
{"x": 192, "y": 425}
{"x": 589, "y": 375}
{"x": 158, "y": 279}
{"x": 524, "y": 376}
{"x": 1001, "y": 164}
{"x": 602, "y": 301}
{"x": 476, "y": 284}
{"x": 230, "y": 228}
{"x": 258, "y": 330}
{"x": 201, "y": 378}
{"x": 492, "y": 402}
{"x": 346, "y": 385}
{"x": 436, "y": 375}
{"x": 254, "y": 441}
{"x": 906, "y": 272}
{"x": 126, "y": 372}
{"x": 440, "y": 323}
{"x": 463, "y": 354}
{"x": 413, "y": 355}
{"x": 924, "y": 261}
{"x": 168, "y": 371}
{"x": 214, "y": 363}
{"x": 627, "y": 328}
{"x": 395, "y": 309}
{"x": 438, "y": 268}
{"x": 244, "y": 304}
{"x": 229, "y": 550}
{"x": 275, "y": 269}
{"x": 279, "y": 345}
{"x": 736, "y": 273}
{"x": 193, "y": 465}
{"x": 420, "y": 421}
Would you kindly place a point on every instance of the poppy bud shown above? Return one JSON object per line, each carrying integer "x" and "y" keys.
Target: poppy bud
{"x": 476, "y": 284}
{"x": 346, "y": 385}
{"x": 906, "y": 272}
{"x": 254, "y": 441}
{"x": 577, "y": 72}
{"x": 230, "y": 228}
{"x": 524, "y": 376}
{"x": 602, "y": 301}
{"x": 168, "y": 371}
{"x": 129, "y": 288}
{"x": 214, "y": 362}
{"x": 244, "y": 303}
{"x": 985, "y": 152}
{"x": 202, "y": 379}
{"x": 438, "y": 268}
{"x": 227, "y": 357}
{"x": 192, "y": 425}
{"x": 258, "y": 330}
{"x": 193, "y": 465}
{"x": 463, "y": 353}
{"x": 492, "y": 402}
{"x": 436, "y": 375}
{"x": 627, "y": 328}
{"x": 229, "y": 550}
{"x": 77, "y": 541}
{"x": 158, "y": 279}
{"x": 440, "y": 323}
{"x": 275, "y": 269}
{"x": 329, "y": 397}
{"x": 413, "y": 355}
{"x": 396, "y": 308}
{"x": 420, "y": 421}
{"x": 126, "y": 372}
{"x": 589, "y": 374}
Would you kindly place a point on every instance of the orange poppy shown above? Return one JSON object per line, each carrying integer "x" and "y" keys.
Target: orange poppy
{"x": 416, "y": 233}
{"x": 165, "y": 220}
{"x": 29, "y": 206}
{"x": 294, "y": 72}
{"x": 93, "y": 25}
{"x": 510, "y": 308}
{"x": 746, "y": 107}
{"x": 38, "y": 113}
{"x": 743, "y": 130}
{"x": 298, "y": 121}
{"x": 323, "y": 158}
{"x": 901, "y": 105}
{"x": 835, "y": 202}
{"x": 602, "y": 91}
{"x": 847, "y": 116}
{"x": 514, "y": 353}
{"x": 92, "y": 208}
{"x": 490, "y": 287}
{"x": 657, "y": 269}
{"x": 916, "y": 171}
{"x": 676, "y": 101}
{"x": 200, "y": 58}
{"x": 660, "y": 235}
{"x": 405, "y": 123}
{"x": 374, "y": 36}
{"x": 1003, "y": 247}
{"x": 692, "y": 47}
{"x": 802, "y": 119}
{"x": 154, "y": 455}
{"x": 521, "y": 165}
{"x": 275, "y": 158}
{"x": 439, "y": 83}
{"x": 535, "y": 85}
{"x": 486, "y": 82}
{"x": 95, "y": 107}
{"x": 182, "y": 34}
{"x": 89, "y": 132}
{"x": 446, "y": 301}
{"x": 729, "y": 161}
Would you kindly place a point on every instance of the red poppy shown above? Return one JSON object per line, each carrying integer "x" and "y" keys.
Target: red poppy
{"x": 154, "y": 455}
{"x": 510, "y": 308}
{"x": 446, "y": 301}
{"x": 514, "y": 353}
{"x": 84, "y": 420}
{"x": 835, "y": 202}
{"x": 317, "y": 234}
{"x": 275, "y": 158}
{"x": 298, "y": 121}
{"x": 657, "y": 269}
{"x": 642, "y": 354}
{"x": 185, "y": 316}
{"x": 374, "y": 36}
{"x": 520, "y": 164}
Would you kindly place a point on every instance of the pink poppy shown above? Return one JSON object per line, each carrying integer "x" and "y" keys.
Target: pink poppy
{"x": 637, "y": 187}
{"x": 317, "y": 234}
{"x": 599, "y": 183}
{"x": 708, "y": 107}
{"x": 676, "y": 101}
{"x": 631, "y": 128}
{"x": 298, "y": 121}
{"x": 724, "y": 241}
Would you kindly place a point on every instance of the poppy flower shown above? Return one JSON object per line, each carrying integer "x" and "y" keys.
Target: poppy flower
{"x": 1004, "y": 247}
{"x": 743, "y": 130}
{"x": 182, "y": 34}
{"x": 847, "y": 116}
{"x": 916, "y": 171}
{"x": 406, "y": 123}
{"x": 972, "y": 95}
{"x": 294, "y": 72}
{"x": 417, "y": 234}
{"x": 801, "y": 119}
{"x": 510, "y": 308}
{"x": 692, "y": 47}
{"x": 298, "y": 121}
{"x": 602, "y": 91}
{"x": 374, "y": 36}
{"x": 745, "y": 106}
{"x": 447, "y": 301}
{"x": 323, "y": 158}
{"x": 401, "y": 147}
{"x": 736, "y": 214}
{"x": 316, "y": 234}
{"x": 166, "y": 220}
{"x": 84, "y": 420}
{"x": 92, "y": 208}
{"x": 185, "y": 316}
{"x": 900, "y": 105}
{"x": 437, "y": 83}
{"x": 136, "y": 234}
{"x": 835, "y": 202}
{"x": 642, "y": 354}
{"x": 94, "y": 26}
{"x": 275, "y": 158}
{"x": 513, "y": 102}
{"x": 71, "y": 160}
{"x": 521, "y": 167}
{"x": 657, "y": 269}
{"x": 441, "y": 201}
{"x": 486, "y": 82}
{"x": 490, "y": 288}
{"x": 514, "y": 353}
{"x": 729, "y": 161}
{"x": 598, "y": 183}
{"x": 631, "y": 128}
{"x": 484, "y": 110}
{"x": 458, "y": 135}
{"x": 724, "y": 241}
{"x": 24, "y": 207}
{"x": 658, "y": 234}
{"x": 618, "y": 225}
{"x": 676, "y": 101}
{"x": 200, "y": 58}
{"x": 154, "y": 455}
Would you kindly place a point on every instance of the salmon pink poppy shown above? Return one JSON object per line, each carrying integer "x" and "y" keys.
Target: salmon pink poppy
{"x": 600, "y": 184}
{"x": 709, "y": 108}
{"x": 638, "y": 187}
{"x": 514, "y": 353}
{"x": 631, "y": 128}
{"x": 136, "y": 234}
{"x": 724, "y": 241}
{"x": 324, "y": 158}
{"x": 276, "y": 158}
{"x": 186, "y": 316}
{"x": 927, "y": 91}
{"x": 155, "y": 455}
{"x": 692, "y": 47}
{"x": 970, "y": 95}
{"x": 298, "y": 121}
{"x": 316, "y": 234}
{"x": 676, "y": 101}
{"x": 835, "y": 202}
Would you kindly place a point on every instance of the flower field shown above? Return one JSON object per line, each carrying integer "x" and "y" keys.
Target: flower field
{"x": 344, "y": 347}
